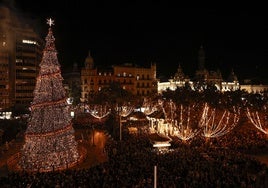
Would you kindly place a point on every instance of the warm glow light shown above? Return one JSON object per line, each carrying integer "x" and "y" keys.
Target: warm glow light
{"x": 158, "y": 145}
{"x": 184, "y": 124}
{"x": 215, "y": 124}
{"x": 124, "y": 110}
{"x": 148, "y": 107}
{"x": 49, "y": 139}
{"x": 29, "y": 41}
{"x": 99, "y": 111}
{"x": 258, "y": 119}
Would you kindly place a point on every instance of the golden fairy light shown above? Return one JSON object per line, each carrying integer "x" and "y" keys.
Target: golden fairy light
{"x": 259, "y": 119}
{"x": 148, "y": 107}
{"x": 49, "y": 138}
{"x": 218, "y": 123}
{"x": 185, "y": 125}
{"x": 99, "y": 111}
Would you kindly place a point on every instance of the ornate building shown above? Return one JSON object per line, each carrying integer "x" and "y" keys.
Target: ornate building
{"x": 137, "y": 80}
{"x": 178, "y": 80}
{"x": 202, "y": 79}
{"x": 20, "y": 54}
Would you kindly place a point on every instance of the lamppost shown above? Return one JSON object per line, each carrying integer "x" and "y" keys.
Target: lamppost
{"x": 93, "y": 143}
{"x": 122, "y": 111}
{"x": 99, "y": 112}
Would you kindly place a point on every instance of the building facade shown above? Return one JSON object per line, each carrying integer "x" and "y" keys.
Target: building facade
{"x": 254, "y": 88}
{"x": 202, "y": 78}
{"x": 20, "y": 55}
{"x": 139, "y": 81}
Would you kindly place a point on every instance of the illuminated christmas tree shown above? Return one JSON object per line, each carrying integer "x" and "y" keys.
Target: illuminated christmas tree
{"x": 49, "y": 139}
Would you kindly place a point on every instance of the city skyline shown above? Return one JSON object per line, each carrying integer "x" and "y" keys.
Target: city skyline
{"x": 163, "y": 33}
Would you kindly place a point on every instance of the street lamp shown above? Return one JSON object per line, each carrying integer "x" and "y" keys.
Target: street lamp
{"x": 123, "y": 111}
{"x": 99, "y": 112}
{"x": 93, "y": 143}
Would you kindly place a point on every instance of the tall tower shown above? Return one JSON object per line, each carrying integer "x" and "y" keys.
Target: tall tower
{"x": 49, "y": 139}
{"x": 89, "y": 62}
{"x": 201, "y": 58}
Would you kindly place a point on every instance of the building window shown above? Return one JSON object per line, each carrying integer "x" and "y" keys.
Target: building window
{"x": 124, "y": 74}
{"x": 138, "y": 77}
{"x": 85, "y": 81}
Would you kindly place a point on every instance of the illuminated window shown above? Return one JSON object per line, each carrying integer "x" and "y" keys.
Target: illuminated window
{"x": 18, "y": 60}
{"x": 124, "y": 74}
{"x": 29, "y": 42}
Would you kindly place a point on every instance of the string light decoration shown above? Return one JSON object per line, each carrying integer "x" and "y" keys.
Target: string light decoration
{"x": 259, "y": 119}
{"x": 149, "y": 107}
{"x": 185, "y": 125}
{"x": 49, "y": 139}
{"x": 124, "y": 110}
{"x": 215, "y": 124}
{"x": 99, "y": 111}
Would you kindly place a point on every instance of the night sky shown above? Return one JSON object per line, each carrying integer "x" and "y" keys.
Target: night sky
{"x": 164, "y": 33}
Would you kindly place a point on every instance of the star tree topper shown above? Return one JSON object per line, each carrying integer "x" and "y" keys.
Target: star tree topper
{"x": 50, "y": 22}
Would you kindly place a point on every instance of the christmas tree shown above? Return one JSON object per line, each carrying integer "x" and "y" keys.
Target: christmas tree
{"x": 49, "y": 139}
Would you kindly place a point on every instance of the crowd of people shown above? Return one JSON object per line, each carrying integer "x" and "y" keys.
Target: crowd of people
{"x": 222, "y": 162}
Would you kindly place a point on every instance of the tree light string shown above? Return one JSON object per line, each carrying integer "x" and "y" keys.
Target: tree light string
{"x": 218, "y": 124}
{"x": 49, "y": 138}
{"x": 259, "y": 120}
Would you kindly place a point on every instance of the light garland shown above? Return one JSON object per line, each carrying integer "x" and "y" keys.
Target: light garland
{"x": 183, "y": 127}
{"x": 124, "y": 110}
{"x": 99, "y": 111}
{"x": 149, "y": 107}
{"x": 52, "y": 103}
{"x": 179, "y": 121}
{"x": 215, "y": 124}
{"x": 259, "y": 120}
{"x": 51, "y": 133}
